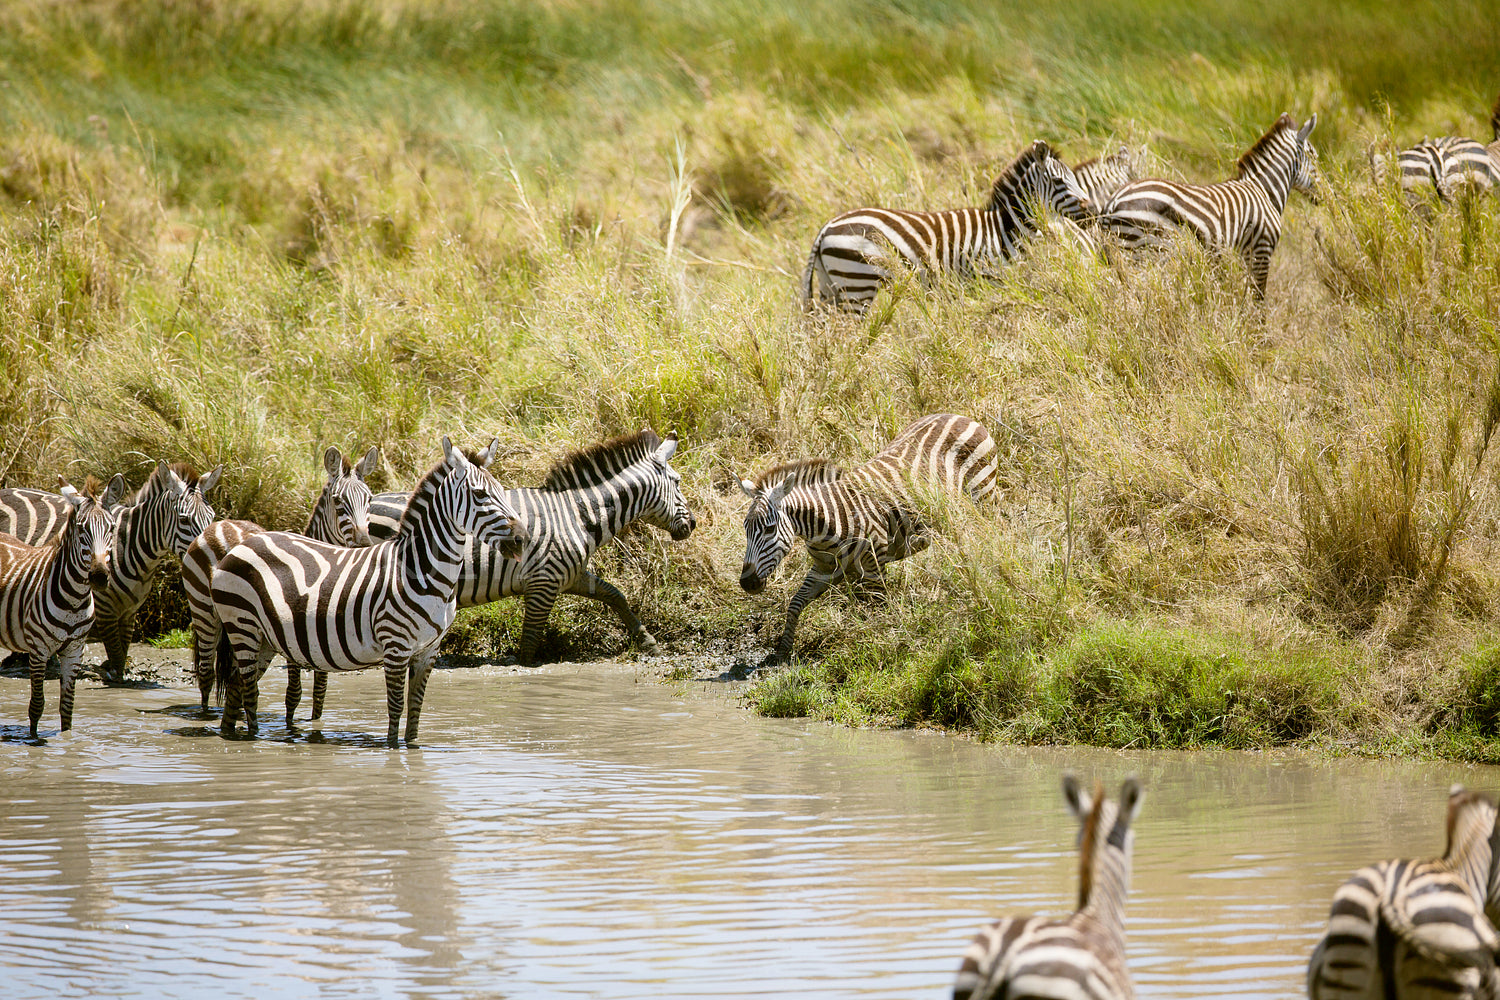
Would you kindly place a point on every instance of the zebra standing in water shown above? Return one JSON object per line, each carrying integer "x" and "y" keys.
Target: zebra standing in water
{"x": 1242, "y": 214}
{"x": 1081, "y": 957}
{"x": 331, "y": 608}
{"x": 855, "y": 523}
{"x": 1414, "y": 930}
{"x": 47, "y": 596}
{"x": 586, "y": 499}
{"x": 341, "y": 516}
{"x": 853, "y": 253}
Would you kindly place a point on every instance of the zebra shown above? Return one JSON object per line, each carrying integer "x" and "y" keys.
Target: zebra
{"x": 1412, "y": 930}
{"x": 1080, "y": 957}
{"x": 1450, "y": 164}
{"x": 47, "y": 596}
{"x": 853, "y": 254}
{"x": 1242, "y": 214}
{"x": 585, "y": 500}
{"x": 35, "y": 516}
{"x": 1102, "y": 176}
{"x": 332, "y": 608}
{"x": 340, "y": 517}
{"x": 856, "y": 522}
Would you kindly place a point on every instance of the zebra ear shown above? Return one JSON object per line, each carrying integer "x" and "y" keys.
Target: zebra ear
{"x": 113, "y": 493}
{"x": 69, "y": 492}
{"x": 449, "y": 455}
{"x": 1307, "y": 128}
{"x": 367, "y": 464}
{"x": 748, "y": 488}
{"x": 667, "y": 449}
{"x": 209, "y": 481}
{"x": 1079, "y": 802}
{"x": 487, "y": 454}
{"x": 1130, "y": 799}
{"x": 779, "y": 490}
{"x": 333, "y": 462}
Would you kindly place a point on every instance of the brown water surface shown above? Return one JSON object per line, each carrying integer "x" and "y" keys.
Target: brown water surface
{"x": 588, "y": 831}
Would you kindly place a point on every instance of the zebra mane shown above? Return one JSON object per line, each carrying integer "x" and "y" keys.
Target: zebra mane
{"x": 421, "y": 497}
{"x": 803, "y": 472}
{"x": 598, "y": 463}
{"x": 1264, "y": 143}
{"x": 185, "y": 471}
{"x": 1088, "y": 843}
{"x": 92, "y": 487}
{"x": 1014, "y": 175}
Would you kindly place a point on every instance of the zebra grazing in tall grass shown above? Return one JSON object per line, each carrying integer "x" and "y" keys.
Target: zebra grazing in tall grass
{"x": 341, "y": 516}
{"x": 1102, "y": 176}
{"x": 1080, "y": 957}
{"x": 35, "y": 516}
{"x": 1414, "y": 930}
{"x": 855, "y": 523}
{"x": 326, "y": 607}
{"x": 47, "y": 596}
{"x": 586, "y": 499}
{"x": 854, "y": 253}
{"x": 1242, "y": 214}
{"x": 1450, "y": 165}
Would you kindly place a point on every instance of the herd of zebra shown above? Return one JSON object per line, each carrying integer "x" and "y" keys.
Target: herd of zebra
{"x": 1397, "y": 930}
{"x": 857, "y": 252}
{"x": 375, "y": 580}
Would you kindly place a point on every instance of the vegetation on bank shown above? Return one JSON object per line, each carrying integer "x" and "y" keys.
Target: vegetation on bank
{"x": 240, "y": 231}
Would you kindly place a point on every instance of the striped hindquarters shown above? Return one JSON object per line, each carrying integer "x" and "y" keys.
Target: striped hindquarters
{"x": 1044, "y": 959}
{"x": 947, "y": 451}
{"x": 32, "y": 516}
{"x": 982, "y": 970}
{"x": 857, "y": 252}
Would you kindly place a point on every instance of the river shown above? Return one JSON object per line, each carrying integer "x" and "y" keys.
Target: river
{"x": 591, "y": 831}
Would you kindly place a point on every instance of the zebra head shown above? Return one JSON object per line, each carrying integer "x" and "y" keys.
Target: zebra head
{"x": 1101, "y": 177}
{"x": 1049, "y": 181}
{"x": 482, "y": 509}
{"x": 768, "y": 534}
{"x": 343, "y": 509}
{"x": 172, "y": 499}
{"x": 666, "y": 508}
{"x": 90, "y": 534}
{"x": 1305, "y": 162}
{"x": 1105, "y": 840}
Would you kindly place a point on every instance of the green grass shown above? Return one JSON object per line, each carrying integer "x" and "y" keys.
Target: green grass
{"x": 239, "y": 232}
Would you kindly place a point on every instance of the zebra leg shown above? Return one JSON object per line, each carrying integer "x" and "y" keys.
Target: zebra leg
{"x": 37, "y": 665}
{"x": 395, "y": 695}
{"x": 320, "y": 688}
{"x": 539, "y": 600}
{"x": 420, "y": 669}
{"x": 293, "y": 692}
{"x": 205, "y": 643}
{"x": 811, "y": 589}
{"x": 589, "y": 585}
{"x": 113, "y": 626}
{"x": 67, "y": 660}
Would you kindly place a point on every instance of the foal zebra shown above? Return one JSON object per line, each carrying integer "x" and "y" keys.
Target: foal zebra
{"x": 1102, "y": 176}
{"x": 47, "y": 596}
{"x": 340, "y": 517}
{"x": 855, "y": 523}
{"x": 1242, "y": 214}
{"x": 331, "y": 608}
{"x": 1081, "y": 957}
{"x": 586, "y": 499}
{"x": 1414, "y": 930}
{"x": 853, "y": 253}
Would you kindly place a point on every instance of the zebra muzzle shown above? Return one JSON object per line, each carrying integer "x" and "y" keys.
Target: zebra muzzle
{"x": 750, "y": 581}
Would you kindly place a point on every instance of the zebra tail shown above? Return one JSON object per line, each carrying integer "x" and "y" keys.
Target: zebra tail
{"x": 223, "y": 667}
{"x": 807, "y": 279}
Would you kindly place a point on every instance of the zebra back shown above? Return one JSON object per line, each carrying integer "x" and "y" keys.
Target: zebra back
{"x": 944, "y": 451}
{"x": 1080, "y": 956}
{"x": 1415, "y": 929}
{"x": 34, "y": 516}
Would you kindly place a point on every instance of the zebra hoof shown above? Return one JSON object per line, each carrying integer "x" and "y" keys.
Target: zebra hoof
{"x": 647, "y": 644}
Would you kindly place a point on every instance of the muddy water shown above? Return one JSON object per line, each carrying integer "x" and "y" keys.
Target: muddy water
{"x": 591, "y": 832}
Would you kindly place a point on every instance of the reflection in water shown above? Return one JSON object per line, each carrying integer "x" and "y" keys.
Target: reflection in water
{"x": 584, "y": 832}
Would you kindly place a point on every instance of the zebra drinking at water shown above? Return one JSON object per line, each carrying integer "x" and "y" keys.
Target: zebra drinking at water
{"x": 1242, "y": 214}
{"x": 586, "y": 499}
{"x": 47, "y": 596}
{"x": 855, "y": 523}
{"x": 1080, "y": 957}
{"x": 340, "y": 517}
{"x": 853, "y": 253}
{"x": 331, "y": 608}
{"x": 1414, "y": 930}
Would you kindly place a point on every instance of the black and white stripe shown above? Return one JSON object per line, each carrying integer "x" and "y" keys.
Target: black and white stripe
{"x": 1243, "y": 214}
{"x": 1414, "y": 930}
{"x": 327, "y": 608}
{"x": 1102, "y": 176}
{"x": 340, "y": 516}
{"x": 36, "y": 516}
{"x": 855, "y": 523}
{"x": 855, "y": 253}
{"x": 1080, "y": 957}
{"x": 47, "y": 596}
{"x": 587, "y": 499}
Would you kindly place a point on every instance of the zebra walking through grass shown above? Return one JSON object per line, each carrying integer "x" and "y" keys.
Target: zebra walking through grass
{"x": 1080, "y": 957}
{"x": 326, "y": 607}
{"x": 855, "y": 253}
{"x": 585, "y": 500}
{"x": 1242, "y": 214}
{"x": 340, "y": 516}
{"x": 1414, "y": 930}
{"x": 47, "y": 597}
{"x": 855, "y": 523}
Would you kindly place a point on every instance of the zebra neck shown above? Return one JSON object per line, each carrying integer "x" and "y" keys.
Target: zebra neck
{"x": 429, "y": 548}
{"x": 140, "y": 540}
{"x": 321, "y": 525}
{"x": 1272, "y": 172}
{"x": 607, "y": 508}
{"x": 69, "y": 572}
{"x": 1106, "y": 902}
